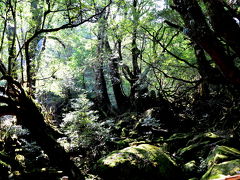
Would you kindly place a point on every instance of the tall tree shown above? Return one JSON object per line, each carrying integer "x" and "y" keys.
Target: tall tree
{"x": 198, "y": 29}
{"x": 11, "y": 37}
{"x": 14, "y": 100}
{"x": 102, "y": 98}
{"x": 31, "y": 52}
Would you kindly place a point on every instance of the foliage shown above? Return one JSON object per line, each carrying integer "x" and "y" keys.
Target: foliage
{"x": 83, "y": 130}
{"x": 9, "y": 129}
{"x": 160, "y": 55}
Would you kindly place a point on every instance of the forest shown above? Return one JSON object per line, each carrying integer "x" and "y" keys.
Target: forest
{"x": 119, "y": 89}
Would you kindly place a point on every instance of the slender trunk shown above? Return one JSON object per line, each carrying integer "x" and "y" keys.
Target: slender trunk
{"x": 135, "y": 50}
{"x": 31, "y": 48}
{"x": 121, "y": 99}
{"x": 11, "y": 36}
{"x": 204, "y": 70}
{"x": 102, "y": 98}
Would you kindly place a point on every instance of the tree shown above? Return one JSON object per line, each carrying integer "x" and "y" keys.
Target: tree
{"x": 102, "y": 98}
{"x": 215, "y": 42}
{"x": 106, "y": 52}
{"x": 14, "y": 100}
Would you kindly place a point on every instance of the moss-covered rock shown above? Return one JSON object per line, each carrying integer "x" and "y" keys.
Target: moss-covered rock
{"x": 222, "y": 170}
{"x": 122, "y": 143}
{"x": 222, "y": 153}
{"x": 138, "y": 163}
{"x": 199, "y": 145}
{"x": 190, "y": 168}
{"x": 189, "y": 151}
{"x": 179, "y": 136}
{"x": 208, "y": 136}
{"x": 178, "y": 140}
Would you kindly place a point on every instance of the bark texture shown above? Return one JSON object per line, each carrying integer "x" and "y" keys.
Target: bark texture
{"x": 29, "y": 115}
{"x": 197, "y": 28}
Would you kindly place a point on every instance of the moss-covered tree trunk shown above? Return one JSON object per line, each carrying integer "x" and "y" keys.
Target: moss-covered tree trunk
{"x": 29, "y": 115}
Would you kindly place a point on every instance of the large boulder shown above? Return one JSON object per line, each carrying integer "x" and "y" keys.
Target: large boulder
{"x": 222, "y": 162}
{"x": 222, "y": 170}
{"x": 138, "y": 163}
{"x": 222, "y": 153}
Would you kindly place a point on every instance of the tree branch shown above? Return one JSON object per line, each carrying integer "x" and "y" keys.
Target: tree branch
{"x": 173, "y": 25}
{"x": 171, "y": 77}
{"x": 169, "y": 52}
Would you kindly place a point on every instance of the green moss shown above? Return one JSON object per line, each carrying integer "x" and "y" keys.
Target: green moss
{"x": 137, "y": 162}
{"x": 191, "y": 148}
{"x": 190, "y": 166}
{"x": 3, "y": 159}
{"x": 179, "y": 136}
{"x": 4, "y": 164}
{"x": 133, "y": 134}
{"x": 222, "y": 153}
{"x": 21, "y": 159}
{"x": 208, "y": 136}
{"x": 222, "y": 170}
{"x": 124, "y": 143}
{"x": 211, "y": 135}
{"x": 124, "y": 132}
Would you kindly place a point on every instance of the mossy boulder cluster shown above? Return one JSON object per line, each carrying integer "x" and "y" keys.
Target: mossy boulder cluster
{"x": 138, "y": 163}
{"x": 205, "y": 156}
{"x": 149, "y": 152}
{"x": 182, "y": 156}
{"x": 222, "y": 162}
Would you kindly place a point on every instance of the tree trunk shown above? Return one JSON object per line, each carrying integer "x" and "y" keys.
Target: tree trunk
{"x": 102, "y": 98}
{"x": 31, "y": 49}
{"x": 29, "y": 116}
{"x": 224, "y": 24}
{"x": 199, "y": 31}
{"x": 11, "y": 37}
{"x": 121, "y": 99}
{"x": 135, "y": 50}
{"x": 204, "y": 70}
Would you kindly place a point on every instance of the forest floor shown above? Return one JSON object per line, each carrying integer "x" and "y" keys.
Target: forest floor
{"x": 200, "y": 141}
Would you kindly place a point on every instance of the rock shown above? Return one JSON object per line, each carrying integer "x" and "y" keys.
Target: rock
{"x": 127, "y": 122}
{"x": 222, "y": 153}
{"x": 222, "y": 170}
{"x": 138, "y": 163}
{"x": 178, "y": 140}
{"x": 208, "y": 136}
{"x": 190, "y": 168}
{"x": 187, "y": 152}
{"x": 222, "y": 162}
{"x": 199, "y": 145}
